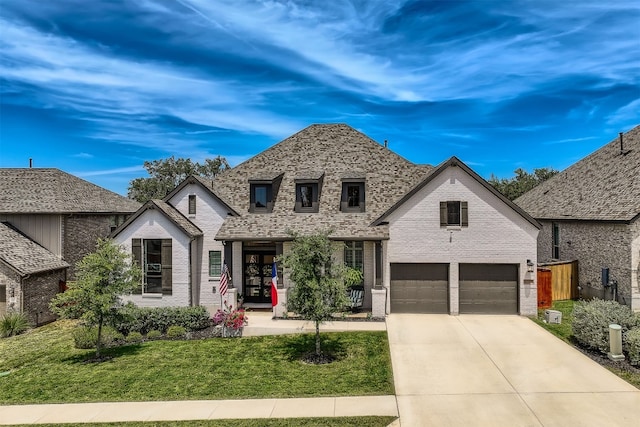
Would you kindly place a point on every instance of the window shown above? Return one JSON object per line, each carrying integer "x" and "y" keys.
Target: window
{"x": 454, "y": 214}
{"x": 307, "y": 197}
{"x": 352, "y": 197}
{"x": 555, "y": 237}
{"x": 215, "y": 263}
{"x": 192, "y": 204}
{"x": 155, "y": 258}
{"x": 116, "y": 221}
{"x": 261, "y": 198}
{"x": 354, "y": 255}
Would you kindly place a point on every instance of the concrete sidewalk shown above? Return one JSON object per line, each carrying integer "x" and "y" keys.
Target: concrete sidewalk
{"x": 198, "y": 410}
{"x": 260, "y": 323}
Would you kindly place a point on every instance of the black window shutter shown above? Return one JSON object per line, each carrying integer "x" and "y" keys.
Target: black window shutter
{"x": 464, "y": 208}
{"x": 136, "y": 250}
{"x": 443, "y": 214}
{"x": 228, "y": 256}
{"x": 166, "y": 267}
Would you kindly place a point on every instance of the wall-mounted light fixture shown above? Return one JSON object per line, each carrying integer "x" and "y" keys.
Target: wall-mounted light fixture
{"x": 530, "y": 266}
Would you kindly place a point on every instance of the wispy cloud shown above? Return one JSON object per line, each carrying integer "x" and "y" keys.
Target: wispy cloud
{"x": 115, "y": 171}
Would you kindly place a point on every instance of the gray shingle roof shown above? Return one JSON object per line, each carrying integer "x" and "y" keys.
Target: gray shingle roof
{"x": 43, "y": 190}
{"x": 335, "y": 150}
{"x": 182, "y": 222}
{"x": 24, "y": 255}
{"x": 603, "y": 186}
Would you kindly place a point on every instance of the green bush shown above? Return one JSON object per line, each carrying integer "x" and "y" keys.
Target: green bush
{"x": 632, "y": 345}
{"x": 13, "y": 324}
{"x": 141, "y": 319}
{"x": 134, "y": 337}
{"x": 154, "y": 334}
{"x": 176, "y": 331}
{"x": 591, "y": 320}
{"x": 86, "y": 337}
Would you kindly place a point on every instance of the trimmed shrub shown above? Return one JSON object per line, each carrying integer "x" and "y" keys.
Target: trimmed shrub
{"x": 591, "y": 320}
{"x": 139, "y": 319}
{"x": 86, "y": 337}
{"x": 632, "y": 345}
{"x": 133, "y": 337}
{"x": 13, "y": 324}
{"x": 176, "y": 331}
{"x": 154, "y": 334}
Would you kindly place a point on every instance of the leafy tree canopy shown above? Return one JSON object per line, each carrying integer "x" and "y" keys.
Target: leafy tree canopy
{"x": 523, "y": 181}
{"x": 102, "y": 277}
{"x": 319, "y": 283}
{"x": 166, "y": 174}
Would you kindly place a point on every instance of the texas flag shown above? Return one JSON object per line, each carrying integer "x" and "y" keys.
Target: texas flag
{"x": 274, "y": 285}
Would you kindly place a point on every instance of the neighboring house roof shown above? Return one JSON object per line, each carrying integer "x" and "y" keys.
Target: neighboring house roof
{"x": 24, "y": 255}
{"x": 43, "y": 190}
{"x": 333, "y": 152}
{"x": 604, "y": 186}
{"x": 205, "y": 183}
{"x": 455, "y": 162}
{"x": 182, "y": 222}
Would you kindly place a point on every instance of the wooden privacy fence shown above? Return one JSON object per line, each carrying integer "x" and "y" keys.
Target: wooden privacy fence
{"x": 563, "y": 281}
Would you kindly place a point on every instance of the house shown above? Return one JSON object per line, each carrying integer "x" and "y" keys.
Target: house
{"x": 59, "y": 214}
{"x": 431, "y": 240}
{"x": 590, "y": 212}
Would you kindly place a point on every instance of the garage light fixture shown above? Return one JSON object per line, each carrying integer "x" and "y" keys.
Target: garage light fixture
{"x": 529, "y": 266}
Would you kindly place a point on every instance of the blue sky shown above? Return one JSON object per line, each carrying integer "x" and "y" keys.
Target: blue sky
{"x": 95, "y": 88}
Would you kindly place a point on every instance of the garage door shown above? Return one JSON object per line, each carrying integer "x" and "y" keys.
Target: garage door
{"x": 419, "y": 288}
{"x": 489, "y": 288}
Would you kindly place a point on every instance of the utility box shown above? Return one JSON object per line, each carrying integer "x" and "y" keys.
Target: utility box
{"x": 553, "y": 316}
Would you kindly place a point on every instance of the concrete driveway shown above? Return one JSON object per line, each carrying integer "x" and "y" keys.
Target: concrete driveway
{"x": 480, "y": 370}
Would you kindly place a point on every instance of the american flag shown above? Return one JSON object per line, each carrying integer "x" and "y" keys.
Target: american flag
{"x": 224, "y": 280}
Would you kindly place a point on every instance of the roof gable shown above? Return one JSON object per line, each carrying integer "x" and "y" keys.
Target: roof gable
{"x": 207, "y": 185}
{"x": 24, "y": 255}
{"x": 171, "y": 213}
{"x": 330, "y": 151}
{"x": 604, "y": 186}
{"x": 43, "y": 190}
{"x": 455, "y": 162}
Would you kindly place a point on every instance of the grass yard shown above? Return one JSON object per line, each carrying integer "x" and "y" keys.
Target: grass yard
{"x": 288, "y": 422}
{"x": 565, "y": 333}
{"x": 44, "y": 367}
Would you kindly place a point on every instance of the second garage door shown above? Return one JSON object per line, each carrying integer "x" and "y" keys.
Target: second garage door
{"x": 489, "y": 288}
{"x": 419, "y": 288}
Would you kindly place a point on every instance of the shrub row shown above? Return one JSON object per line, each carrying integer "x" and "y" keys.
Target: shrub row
{"x": 591, "y": 320}
{"x": 86, "y": 337}
{"x": 140, "y": 319}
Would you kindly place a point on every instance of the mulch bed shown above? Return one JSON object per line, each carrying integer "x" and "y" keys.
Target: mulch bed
{"x": 603, "y": 360}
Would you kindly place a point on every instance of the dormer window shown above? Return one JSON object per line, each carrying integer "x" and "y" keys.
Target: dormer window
{"x": 263, "y": 192}
{"x": 352, "y": 196}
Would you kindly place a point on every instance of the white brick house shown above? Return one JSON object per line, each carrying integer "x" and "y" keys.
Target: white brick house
{"x": 427, "y": 239}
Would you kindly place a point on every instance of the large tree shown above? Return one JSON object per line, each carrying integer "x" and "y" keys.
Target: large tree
{"x": 166, "y": 174}
{"x": 319, "y": 283}
{"x": 522, "y": 182}
{"x": 102, "y": 277}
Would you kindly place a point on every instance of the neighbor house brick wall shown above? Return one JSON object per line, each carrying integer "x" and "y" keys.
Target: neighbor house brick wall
{"x": 496, "y": 233}
{"x": 32, "y": 294}
{"x": 635, "y": 265}
{"x": 38, "y": 290}
{"x": 596, "y": 245}
{"x": 80, "y": 235}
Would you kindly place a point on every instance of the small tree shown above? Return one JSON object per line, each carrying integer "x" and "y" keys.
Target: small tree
{"x": 102, "y": 277}
{"x": 319, "y": 288}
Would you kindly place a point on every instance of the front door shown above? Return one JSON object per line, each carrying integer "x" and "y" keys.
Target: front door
{"x": 257, "y": 275}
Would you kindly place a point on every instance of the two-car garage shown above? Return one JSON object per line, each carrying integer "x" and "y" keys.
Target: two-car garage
{"x": 483, "y": 288}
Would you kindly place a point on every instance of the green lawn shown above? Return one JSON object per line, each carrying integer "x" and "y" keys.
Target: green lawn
{"x": 564, "y": 332}
{"x": 288, "y": 422}
{"x": 44, "y": 367}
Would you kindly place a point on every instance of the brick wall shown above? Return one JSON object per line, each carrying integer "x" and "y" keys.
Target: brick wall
{"x": 596, "y": 245}
{"x": 38, "y": 290}
{"x": 80, "y": 235}
{"x": 496, "y": 234}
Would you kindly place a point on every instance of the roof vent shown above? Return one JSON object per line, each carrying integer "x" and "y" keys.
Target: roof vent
{"x": 386, "y": 144}
{"x": 622, "y": 150}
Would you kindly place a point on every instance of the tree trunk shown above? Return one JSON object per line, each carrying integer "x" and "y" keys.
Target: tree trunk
{"x": 99, "y": 343}
{"x": 318, "y": 352}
